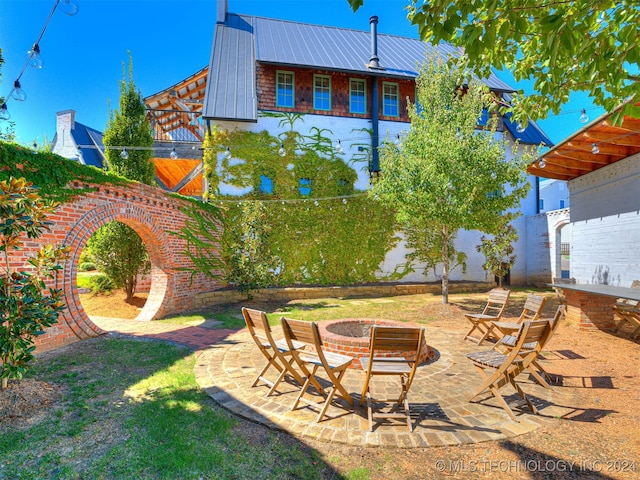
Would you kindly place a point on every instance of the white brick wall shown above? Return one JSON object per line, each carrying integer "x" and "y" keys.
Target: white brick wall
{"x": 605, "y": 213}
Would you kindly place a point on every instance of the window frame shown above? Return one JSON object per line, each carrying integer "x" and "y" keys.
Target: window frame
{"x": 364, "y": 93}
{"x": 385, "y": 99}
{"x": 316, "y": 97}
{"x": 293, "y": 88}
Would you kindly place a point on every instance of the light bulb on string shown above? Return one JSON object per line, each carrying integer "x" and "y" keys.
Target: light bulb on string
{"x": 339, "y": 147}
{"x": 227, "y": 154}
{"x": 282, "y": 152}
{"x": 68, "y": 7}
{"x": 173, "y": 155}
{"x": 542, "y": 163}
{"x": 520, "y": 128}
{"x": 398, "y": 141}
{"x": 35, "y": 60}
{"x": 344, "y": 200}
{"x": 4, "y": 112}
{"x": 124, "y": 154}
{"x": 316, "y": 203}
{"x": 18, "y": 93}
{"x": 595, "y": 149}
{"x": 584, "y": 118}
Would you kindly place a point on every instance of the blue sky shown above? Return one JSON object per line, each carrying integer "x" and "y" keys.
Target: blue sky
{"x": 169, "y": 40}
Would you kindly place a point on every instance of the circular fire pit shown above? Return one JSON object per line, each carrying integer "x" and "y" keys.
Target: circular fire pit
{"x": 350, "y": 336}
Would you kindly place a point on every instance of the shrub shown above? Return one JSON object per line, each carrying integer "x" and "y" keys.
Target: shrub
{"x": 101, "y": 284}
{"x": 87, "y": 267}
{"x": 27, "y": 304}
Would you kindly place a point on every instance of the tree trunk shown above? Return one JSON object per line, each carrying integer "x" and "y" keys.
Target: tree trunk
{"x": 130, "y": 287}
{"x": 445, "y": 265}
{"x": 4, "y": 384}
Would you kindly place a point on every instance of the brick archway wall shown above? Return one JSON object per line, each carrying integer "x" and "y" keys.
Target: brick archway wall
{"x": 152, "y": 214}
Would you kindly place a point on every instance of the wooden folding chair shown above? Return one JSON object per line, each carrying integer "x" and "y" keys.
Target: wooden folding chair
{"x": 389, "y": 349}
{"x": 277, "y": 352}
{"x": 334, "y": 365}
{"x": 628, "y": 315}
{"x": 493, "y": 310}
{"x": 507, "y": 367}
{"x": 508, "y": 342}
{"x": 531, "y": 311}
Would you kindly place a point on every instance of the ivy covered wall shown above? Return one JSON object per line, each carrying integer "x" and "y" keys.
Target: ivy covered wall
{"x": 321, "y": 230}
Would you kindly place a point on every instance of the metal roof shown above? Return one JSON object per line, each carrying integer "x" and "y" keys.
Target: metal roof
{"x": 231, "y": 85}
{"x": 574, "y": 156}
{"x": 242, "y": 40}
{"x": 89, "y": 143}
{"x": 531, "y": 135}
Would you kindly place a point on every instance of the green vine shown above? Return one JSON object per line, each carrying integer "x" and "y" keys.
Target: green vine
{"x": 339, "y": 240}
{"x": 51, "y": 173}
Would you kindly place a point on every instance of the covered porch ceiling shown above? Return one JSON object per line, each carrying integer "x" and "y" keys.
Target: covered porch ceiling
{"x": 176, "y": 110}
{"x": 597, "y": 145}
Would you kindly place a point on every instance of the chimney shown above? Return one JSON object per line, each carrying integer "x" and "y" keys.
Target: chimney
{"x": 374, "y": 61}
{"x": 221, "y": 11}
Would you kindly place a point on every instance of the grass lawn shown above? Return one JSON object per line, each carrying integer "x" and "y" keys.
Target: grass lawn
{"x": 132, "y": 409}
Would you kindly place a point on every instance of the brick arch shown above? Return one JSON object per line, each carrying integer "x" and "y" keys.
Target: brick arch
{"x": 152, "y": 213}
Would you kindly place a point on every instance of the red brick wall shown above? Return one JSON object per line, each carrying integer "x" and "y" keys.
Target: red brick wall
{"x": 589, "y": 310}
{"x": 151, "y": 212}
{"x": 266, "y": 90}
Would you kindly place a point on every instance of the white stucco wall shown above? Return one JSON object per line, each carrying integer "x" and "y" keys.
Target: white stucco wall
{"x": 605, "y": 216}
{"x": 350, "y": 134}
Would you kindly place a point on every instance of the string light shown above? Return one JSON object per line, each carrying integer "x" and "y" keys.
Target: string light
{"x": 34, "y": 59}
{"x": 173, "y": 155}
{"x": 584, "y": 118}
{"x": 4, "y": 112}
{"x": 282, "y": 152}
{"x": 284, "y": 202}
{"x": 18, "y": 93}
{"x": 227, "y": 154}
{"x": 595, "y": 149}
{"x": 542, "y": 163}
{"x": 124, "y": 154}
{"x": 339, "y": 147}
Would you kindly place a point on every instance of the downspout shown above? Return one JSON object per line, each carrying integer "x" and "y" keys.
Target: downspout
{"x": 375, "y": 158}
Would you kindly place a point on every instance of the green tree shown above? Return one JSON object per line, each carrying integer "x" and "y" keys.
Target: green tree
{"x": 27, "y": 304}
{"x": 447, "y": 175}
{"x": 120, "y": 254}
{"x": 118, "y": 250}
{"x": 559, "y": 46}
{"x": 130, "y": 127}
{"x": 498, "y": 251}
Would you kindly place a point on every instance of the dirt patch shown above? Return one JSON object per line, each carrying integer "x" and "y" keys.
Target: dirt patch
{"x": 26, "y": 402}
{"x": 113, "y": 304}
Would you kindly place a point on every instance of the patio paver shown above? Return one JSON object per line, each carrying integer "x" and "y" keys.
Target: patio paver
{"x": 228, "y": 362}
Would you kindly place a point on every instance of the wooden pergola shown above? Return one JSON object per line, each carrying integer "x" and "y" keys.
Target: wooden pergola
{"x": 175, "y": 114}
{"x": 597, "y": 145}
